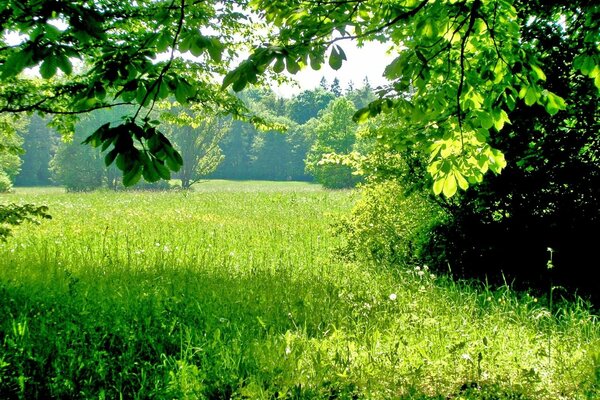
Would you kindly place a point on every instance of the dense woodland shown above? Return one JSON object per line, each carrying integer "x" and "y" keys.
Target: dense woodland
{"x": 215, "y": 147}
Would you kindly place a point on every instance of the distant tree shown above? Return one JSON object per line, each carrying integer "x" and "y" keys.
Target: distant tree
{"x": 349, "y": 87}
{"x": 336, "y": 87}
{"x": 307, "y": 104}
{"x": 363, "y": 96}
{"x": 279, "y": 155}
{"x": 323, "y": 84}
{"x": 334, "y": 132}
{"x": 236, "y": 146}
{"x": 89, "y": 173}
{"x": 39, "y": 145}
{"x": 197, "y": 139}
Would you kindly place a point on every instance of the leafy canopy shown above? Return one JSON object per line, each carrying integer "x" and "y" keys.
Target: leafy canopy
{"x": 461, "y": 67}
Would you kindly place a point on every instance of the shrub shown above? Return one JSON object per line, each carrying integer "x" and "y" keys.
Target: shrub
{"x": 388, "y": 225}
{"x": 5, "y": 183}
{"x": 78, "y": 168}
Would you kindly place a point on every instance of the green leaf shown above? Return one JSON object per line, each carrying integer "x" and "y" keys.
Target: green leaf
{"x": 110, "y": 157}
{"x": 361, "y": 115}
{"x": 279, "y": 65}
{"x": 292, "y": 65}
{"x": 133, "y": 176}
{"x": 500, "y": 118}
{"x": 15, "y": 64}
{"x": 462, "y": 182}
{"x": 182, "y": 92}
{"x": 538, "y": 72}
{"x": 215, "y": 50}
{"x": 394, "y": 69}
{"x": 162, "y": 170}
{"x": 240, "y": 84}
{"x": 149, "y": 172}
{"x": 63, "y": 62}
{"x": 336, "y": 58}
{"x": 554, "y": 103}
{"x": 231, "y": 77}
{"x": 531, "y": 96}
{"x": 48, "y": 68}
{"x": 450, "y": 186}
{"x": 163, "y": 42}
{"x": 438, "y": 185}
{"x": 316, "y": 59}
{"x": 486, "y": 120}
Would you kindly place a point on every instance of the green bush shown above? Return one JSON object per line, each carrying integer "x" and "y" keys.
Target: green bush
{"x": 335, "y": 176}
{"x": 5, "y": 182}
{"x": 388, "y": 225}
{"x": 78, "y": 168}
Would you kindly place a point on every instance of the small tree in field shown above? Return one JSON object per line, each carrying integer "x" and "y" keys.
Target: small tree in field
{"x": 334, "y": 132}
{"x": 197, "y": 140}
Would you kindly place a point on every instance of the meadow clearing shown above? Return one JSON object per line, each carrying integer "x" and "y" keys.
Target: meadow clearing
{"x": 232, "y": 291}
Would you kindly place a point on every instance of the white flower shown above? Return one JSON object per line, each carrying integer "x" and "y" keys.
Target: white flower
{"x": 288, "y": 350}
{"x": 421, "y": 273}
{"x": 393, "y": 296}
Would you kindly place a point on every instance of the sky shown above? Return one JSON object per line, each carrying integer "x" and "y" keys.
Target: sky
{"x": 369, "y": 61}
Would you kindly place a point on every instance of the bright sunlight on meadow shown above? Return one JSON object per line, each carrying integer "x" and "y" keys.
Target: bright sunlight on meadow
{"x": 232, "y": 291}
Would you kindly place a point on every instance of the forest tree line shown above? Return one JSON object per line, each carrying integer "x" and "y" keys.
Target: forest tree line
{"x": 299, "y": 131}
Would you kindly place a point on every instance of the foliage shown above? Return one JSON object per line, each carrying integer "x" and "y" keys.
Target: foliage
{"x": 548, "y": 196}
{"x": 197, "y": 138}
{"x": 6, "y": 184}
{"x": 13, "y": 215}
{"x": 96, "y": 55}
{"x": 307, "y": 104}
{"x": 87, "y": 176}
{"x": 334, "y": 133}
{"x": 11, "y": 128}
{"x": 227, "y": 291}
{"x": 39, "y": 145}
{"x": 461, "y": 69}
{"x": 388, "y": 225}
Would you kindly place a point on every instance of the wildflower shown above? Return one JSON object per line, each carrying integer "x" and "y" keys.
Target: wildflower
{"x": 393, "y": 296}
{"x": 421, "y": 273}
{"x": 425, "y": 268}
{"x": 288, "y": 350}
{"x": 466, "y": 357}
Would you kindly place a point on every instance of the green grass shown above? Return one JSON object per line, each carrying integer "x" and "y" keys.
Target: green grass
{"x": 230, "y": 292}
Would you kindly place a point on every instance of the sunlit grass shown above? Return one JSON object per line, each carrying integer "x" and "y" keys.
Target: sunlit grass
{"x": 230, "y": 292}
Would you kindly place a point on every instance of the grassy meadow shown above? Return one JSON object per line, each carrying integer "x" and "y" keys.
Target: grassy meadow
{"x": 231, "y": 291}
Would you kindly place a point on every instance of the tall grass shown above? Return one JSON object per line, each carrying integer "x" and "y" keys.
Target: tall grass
{"x": 230, "y": 292}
